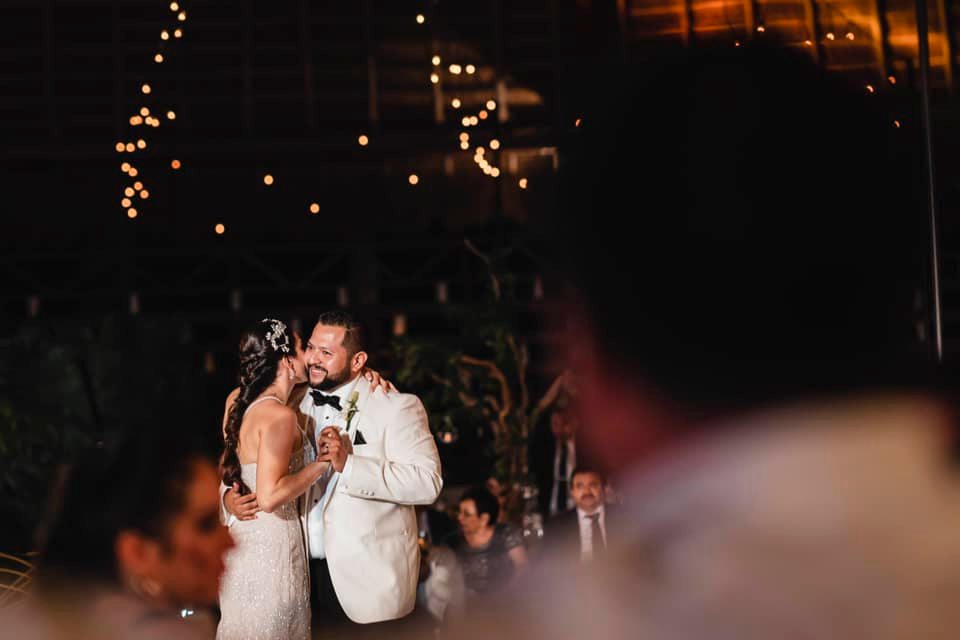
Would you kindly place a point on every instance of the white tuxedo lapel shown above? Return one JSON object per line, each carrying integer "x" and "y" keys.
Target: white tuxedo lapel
{"x": 362, "y": 388}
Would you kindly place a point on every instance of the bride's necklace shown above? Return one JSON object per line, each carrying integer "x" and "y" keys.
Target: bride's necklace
{"x": 262, "y": 398}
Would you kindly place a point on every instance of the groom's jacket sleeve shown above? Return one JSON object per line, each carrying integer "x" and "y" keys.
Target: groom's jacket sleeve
{"x": 409, "y": 472}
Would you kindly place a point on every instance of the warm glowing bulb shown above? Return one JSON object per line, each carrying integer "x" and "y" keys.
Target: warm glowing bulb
{"x": 131, "y": 213}
{"x": 174, "y": 6}
{"x": 474, "y": 121}
{"x": 434, "y": 78}
{"x": 483, "y": 114}
{"x": 144, "y": 194}
{"x": 155, "y": 123}
{"x": 171, "y": 115}
{"x": 175, "y": 164}
{"x": 491, "y": 105}
{"x": 464, "y": 136}
{"x": 146, "y": 89}
{"x": 870, "y": 88}
{"x": 495, "y": 172}
{"x": 141, "y": 144}
{"x": 577, "y": 123}
{"x": 808, "y": 43}
{"x": 133, "y": 172}
{"x": 455, "y": 103}
{"x": 120, "y": 147}
{"x": 471, "y": 69}
{"x": 436, "y": 61}
{"x": 465, "y": 121}
{"x": 144, "y": 111}
{"x": 830, "y": 36}
{"x": 137, "y": 186}
{"x": 268, "y": 179}
{"x": 177, "y": 33}
{"x": 158, "y": 58}
{"x": 892, "y": 79}
{"x": 128, "y": 191}
{"x": 363, "y": 140}
{"x": 182, "y": 16}
{"x": 125, "y": 167}
{"x": 486, "y": 169}
{"x": 420, "y": 18}
{"x": 219, "y": 229}
{"x": 314, "y": 208}
{"x": 896, "y": 123}
{"x": 477, "y": 158}
{"x": 464, "y": 145}
{"x": 494, "y": 144}
{"x": 130, "y": 147}
{"x": 164, "y": 35}
{"x": 481, "y": 151}
{"x": 413, "y": 179}
{"x": 523, "y": 183}
{"x": 125, "y": 203}
{"x": 455, "y": 69}
{"x": 761, "y": 28}
{"x": 850, "y": 35}
{"x": 736, "y": 43}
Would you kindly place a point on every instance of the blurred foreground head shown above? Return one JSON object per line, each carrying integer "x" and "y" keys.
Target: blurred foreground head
{"x": 740, "y": 230}
{"x": 139, "y": 516}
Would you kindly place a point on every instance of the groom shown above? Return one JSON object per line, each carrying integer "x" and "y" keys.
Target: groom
{"x": 360, "y": 523}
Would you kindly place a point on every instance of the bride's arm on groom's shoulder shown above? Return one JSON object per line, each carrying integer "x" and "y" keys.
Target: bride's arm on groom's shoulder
{"x": 409, "y": 471}
{"x": 274, "y": 485}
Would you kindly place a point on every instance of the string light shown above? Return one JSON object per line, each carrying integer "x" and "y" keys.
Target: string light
{"x": 464, "y": 137}
{"x": 314, "y": 208}
{"x": 128, "y": 192}
{"x": 177, "y": 33}
{"x": 491, "y": 105}
{"x": 480, "y": 151}
{"x": 125, "y": 203}
{"x": 870, "y": 89}
{"x": 436, "y": 61}
{"x": 455, "y": 69}
{"x": 137, "y": 186}
{"x": 164, "y": 35}
{"x": 363, "y": 140}
{"x": 830, "y": 36}
{"x": 896, "y": 123}
{"x": 420, "y": 18}
{"x": 464, "y": 145}
{"x": 182, "y": 16}
{"x": 892, "y": 79}
{"x": 144, "y": 111}
{"x": 154, "y": 123}
{"x": 133, "y": 172}
{"x": 120, "y": 147}
{"x": 125, "y": 167}
{"x": 523, "y": 183}
{"x": 494, "y": 144}
{"x": 219, "y": 229}
{"x": 174, "y": 6}
{"x": 146, "y": 89}
{"x": 144, "y": 194}
{"x": 175, "y": 164}
{"x": 474, "y": 121}
{"x": 141, "y": 144}
{"x": 465, "y": 121}
{"x": 471, "y": 69}
{"x": 434, "y": 78}
{"x": 809, "y": 43}
{"x": 483, "y": 114}
{"x": 158, "y": 58}
{"x": 577, "y": 123}
{"x": 736, "y": 43}
{"x": 268, "y": 179}
{"x": 850, "y": 35}
{"x": 131, "y": 213}
{"x": 130, "y": 147}
{"x": 761, "y": 28}
{"x": 171, "y": 115}
{"x": 413, "y": 179}
{"x": 495, "y": 172}
{"x": 455, "y": 103}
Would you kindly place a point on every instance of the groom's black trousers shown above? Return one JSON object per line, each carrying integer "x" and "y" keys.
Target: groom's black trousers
{"x": 329, "y": 621}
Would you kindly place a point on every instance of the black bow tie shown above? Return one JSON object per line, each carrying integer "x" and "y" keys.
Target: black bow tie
{"x": 320, "y": 398}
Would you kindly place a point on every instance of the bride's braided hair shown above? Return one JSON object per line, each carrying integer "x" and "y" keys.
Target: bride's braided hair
{"x": 262, "y": 347}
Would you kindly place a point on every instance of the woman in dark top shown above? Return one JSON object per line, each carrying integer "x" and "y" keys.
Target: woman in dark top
{"x": 490, "y": 554}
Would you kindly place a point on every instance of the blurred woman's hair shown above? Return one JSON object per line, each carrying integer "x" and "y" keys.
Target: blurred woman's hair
{"x": 137, "y": 482}
{"x": 484, "y": 501}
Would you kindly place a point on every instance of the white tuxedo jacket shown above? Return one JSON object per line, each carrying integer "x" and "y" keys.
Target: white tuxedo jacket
{"x": 370, "y": 528}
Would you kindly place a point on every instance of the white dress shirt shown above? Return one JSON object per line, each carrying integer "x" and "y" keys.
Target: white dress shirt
{"x": 325, "y": 416}
{"x": 586, "y": 532}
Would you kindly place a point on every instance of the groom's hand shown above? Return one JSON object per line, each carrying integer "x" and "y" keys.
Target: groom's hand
{"x": 243, "y": 507}
{"x": 332, "y": 448}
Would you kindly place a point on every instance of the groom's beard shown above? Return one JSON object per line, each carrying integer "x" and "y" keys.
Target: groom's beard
{"x": 331, "y": 380}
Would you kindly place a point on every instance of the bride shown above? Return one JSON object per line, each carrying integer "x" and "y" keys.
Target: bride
{"x": 266, "y": 590}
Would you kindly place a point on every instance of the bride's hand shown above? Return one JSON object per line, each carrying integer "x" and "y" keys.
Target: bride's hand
{"x": 376, "y": 380}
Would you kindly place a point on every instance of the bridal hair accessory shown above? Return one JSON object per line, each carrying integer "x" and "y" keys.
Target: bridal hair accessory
{"x": 277, "y": 335}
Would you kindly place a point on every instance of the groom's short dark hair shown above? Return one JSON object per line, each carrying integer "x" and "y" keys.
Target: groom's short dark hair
{"x": 354, "y": 337}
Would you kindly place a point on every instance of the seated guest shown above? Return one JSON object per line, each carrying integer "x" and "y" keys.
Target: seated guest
{"x": 585, "y": 529}
{"x": 134, "y": 548}
{"x": 490, "y": 554}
